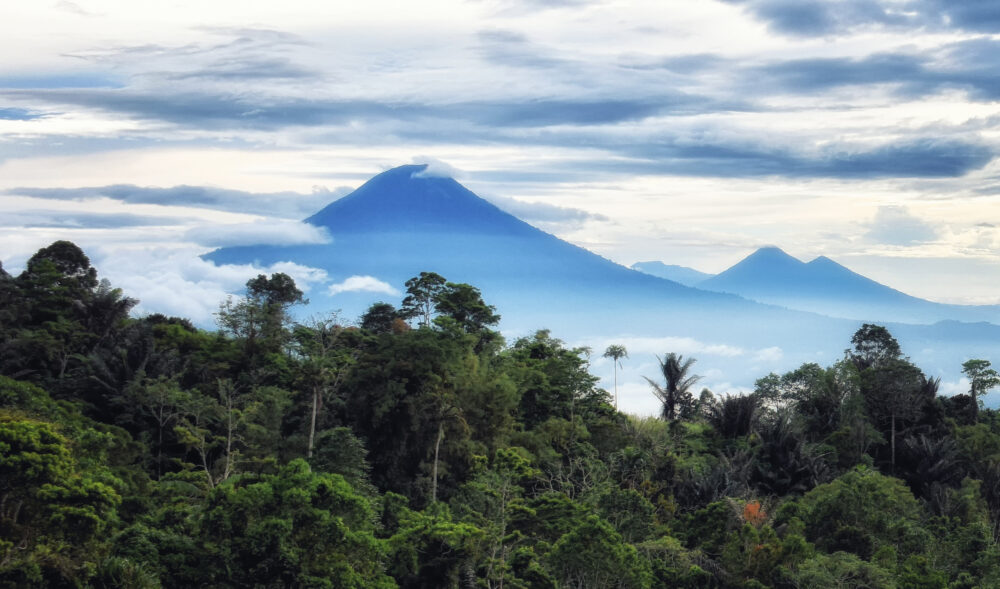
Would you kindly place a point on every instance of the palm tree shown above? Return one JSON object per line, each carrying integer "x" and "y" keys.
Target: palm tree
{"x": 616, "y": 353}
{"x": 676, "y": 394}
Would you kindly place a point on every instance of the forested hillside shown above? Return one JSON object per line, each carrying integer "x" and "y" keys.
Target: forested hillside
{"x": 413, "y": 447}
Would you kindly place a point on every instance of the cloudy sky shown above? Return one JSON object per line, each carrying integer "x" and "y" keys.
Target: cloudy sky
{"x": 685, "y": 131}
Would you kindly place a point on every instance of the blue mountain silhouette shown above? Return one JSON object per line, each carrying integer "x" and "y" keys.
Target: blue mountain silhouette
{"x": 404, "y": 221}
{"x": 681, "y": 274}
{"x": 823, "y": 286}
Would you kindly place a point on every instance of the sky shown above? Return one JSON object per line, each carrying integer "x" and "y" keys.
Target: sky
{"x": 690, "y": 132}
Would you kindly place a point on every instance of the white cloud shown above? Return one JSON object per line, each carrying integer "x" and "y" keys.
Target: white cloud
{"x": 436, "y": 168}
{"x": 363, "y": 284}
{"x": 895, "y": 225}
{"x": 270, "y": 232}
{"x": 179, "y": 282}
{"x": 685, "y": 346}
{"x": 769, "y": 355}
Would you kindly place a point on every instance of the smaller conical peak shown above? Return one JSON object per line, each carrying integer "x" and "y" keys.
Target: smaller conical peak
{"x": 822, "y": 261}
{"x": 773, "y": 255}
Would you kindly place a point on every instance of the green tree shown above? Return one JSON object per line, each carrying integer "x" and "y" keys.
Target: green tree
{"x": 260, "y": 320}
{"x": 379, "y": 318}
{"x": 421, "y": 296}
{"x": 296, "y": 528}
{"x": 894, "y": 391}
{"x": 594, "y": 555}
{"x": 982, "y": 378}
{"x": 616, "y": 353}
{"x": 675, "y": 395}
{"x": 325, "y": 363}
{"x": 54, "y": 515}
{"x": 873, "y": 346}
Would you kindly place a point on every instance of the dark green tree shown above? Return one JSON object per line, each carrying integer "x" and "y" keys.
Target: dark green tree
{"x": 421, "y": 297}
{"x": 982, "y": 378}
{"x": 675, "y": 395}
{"x": 873, "y": 346}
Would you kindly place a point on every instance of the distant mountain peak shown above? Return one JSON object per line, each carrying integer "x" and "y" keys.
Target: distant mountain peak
{"x": 772, "y": 252}
{"x": 405, "y": 198}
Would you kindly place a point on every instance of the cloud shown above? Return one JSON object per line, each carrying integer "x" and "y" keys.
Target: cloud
{"x": 54, "y": 81}
{"x": 201, "y": 109}
{"x": 823, "y": 17}
{"x": 837, "y": 17}
{"x": 769, "y": 355}
{"x": 363, "y": 284}
{"x": 513, "y": 49}
{"x": 660, "y": 345}
{"x": 180, "y": 283}
{"x": 19, "y": 114}
{"x": 737, "y": 157}
{"x": 895, "y": 225}
{"x": 73, "y": 8}
{"x": 283, "y": 204}
{"x": 79, "y": 219}
{"x": 818, "y": 74}
{"x": 540, "y": 212}
{"x": 270, "y": 232}
{"x": 436, "y": 168}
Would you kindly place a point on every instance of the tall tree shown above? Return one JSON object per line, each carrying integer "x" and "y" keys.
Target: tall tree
{"x": 676, "y": 392}
{"x": 982, "y": 378}
{"x": 325, "y": 362}
{"x": 873, "y": 346}
{"x": 894, "y": 392}
{"x": 261, "y": 319}
{"x": 616, "y": 353}
{"x": 421, "y": 296}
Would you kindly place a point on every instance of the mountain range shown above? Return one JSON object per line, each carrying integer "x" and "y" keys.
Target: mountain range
{"x": 769, "y": 275}
{"x": 404, "y": 221}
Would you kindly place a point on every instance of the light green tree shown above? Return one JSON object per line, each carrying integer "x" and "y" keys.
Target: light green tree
{"x": 982, "y": 378}
{"x": 616, "y": 353}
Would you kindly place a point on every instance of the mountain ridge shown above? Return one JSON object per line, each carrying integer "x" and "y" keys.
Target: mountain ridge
{"x": 824, "y": 286}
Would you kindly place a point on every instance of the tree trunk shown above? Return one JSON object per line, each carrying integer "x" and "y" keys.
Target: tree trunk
{"x": 434, "y": 472}
{"x": 893, "y": 443}
{"x": 616, "y": 384}
{"x": 312, "y": 421}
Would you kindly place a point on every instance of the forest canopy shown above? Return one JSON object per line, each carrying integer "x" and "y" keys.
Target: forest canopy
{"x": 413, "y": 447}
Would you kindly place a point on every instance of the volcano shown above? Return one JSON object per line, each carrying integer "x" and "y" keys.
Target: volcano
{"x": 407, "y": 220}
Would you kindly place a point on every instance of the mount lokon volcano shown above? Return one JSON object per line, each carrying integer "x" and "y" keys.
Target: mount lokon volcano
{"x": 404, "y": 221}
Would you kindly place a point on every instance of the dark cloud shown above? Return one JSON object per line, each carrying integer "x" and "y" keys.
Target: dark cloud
{"x": 966, "y": 65}
{"x": 55, "y": 81}
{"x": 19, "y": 114}
{"x": 69, "y": 220}
{"x": 922, "y": 158}
{"x": 810, "y": 75}
{"x": 292, "y": 205}
{"x": 833, "y": 17}
{"x": 254, "y": 112}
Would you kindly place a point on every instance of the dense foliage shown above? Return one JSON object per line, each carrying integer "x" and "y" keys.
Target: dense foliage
{"x": 419, "y": 450}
